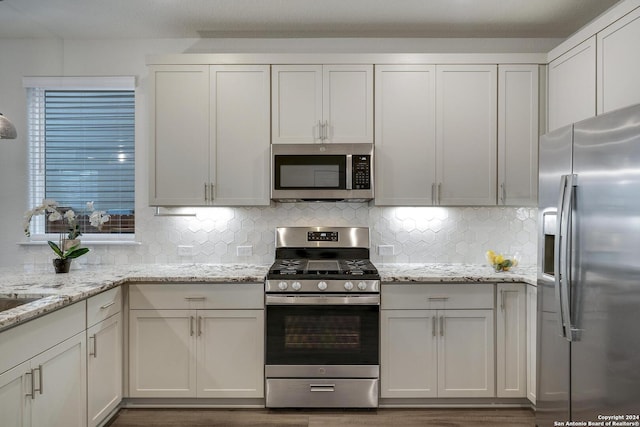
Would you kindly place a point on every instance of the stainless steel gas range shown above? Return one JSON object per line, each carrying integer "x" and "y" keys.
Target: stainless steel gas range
{"x": 322, "y": 314}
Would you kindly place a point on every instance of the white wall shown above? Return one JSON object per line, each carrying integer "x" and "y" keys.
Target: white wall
{"x": 418, "y": 235}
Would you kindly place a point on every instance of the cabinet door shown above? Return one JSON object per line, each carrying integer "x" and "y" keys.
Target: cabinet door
{"x": 466, "y": 121}
{"x": 405, "y": 135}
{"x": 466, "y": 353}
{"x": 15, "y": 402}
{"x": 162, "y": 353}
{"x": 104, "y": 368}
{"x": 408, "y": 353}
{"x": 511, "y": 342}
{"x": 518, "y": 135}
{"x": 179, "y": 149}
{"x": 296, "y": 104}
{"x": 230, "y": 353}
{"x": 240, "y": 94}
{"x": 347, "y": 103}
{"x": 619, "y": 64}
{"x": 61, "y": 384}
{"x": 532, "y": 307}
{"x": 572, "y": 85}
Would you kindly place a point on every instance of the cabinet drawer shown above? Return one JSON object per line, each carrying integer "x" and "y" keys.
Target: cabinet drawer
{"x": 197, "y": 296}
{"x": 104, "y": 305}
{"x": 437, "y": 297}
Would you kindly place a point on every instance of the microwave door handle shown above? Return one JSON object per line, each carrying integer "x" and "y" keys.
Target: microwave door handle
{"x": 349, "y": 172}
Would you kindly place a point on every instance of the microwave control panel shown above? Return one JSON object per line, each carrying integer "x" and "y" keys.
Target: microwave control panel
{"x": 361, "y": 172}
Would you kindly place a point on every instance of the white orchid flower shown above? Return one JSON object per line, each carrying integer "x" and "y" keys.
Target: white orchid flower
{"x": 55, "y": 216}
{"x": 90, "y": 206}
{"x": 70, "y": 215}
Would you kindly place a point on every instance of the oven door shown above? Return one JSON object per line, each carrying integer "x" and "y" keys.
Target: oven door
{"x": 308, "y": 335}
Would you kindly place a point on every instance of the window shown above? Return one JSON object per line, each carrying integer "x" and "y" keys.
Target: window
{"x": 81, "y": 149}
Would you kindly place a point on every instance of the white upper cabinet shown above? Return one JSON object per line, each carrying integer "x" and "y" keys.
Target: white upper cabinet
{"x": 518, "y": 135}
{"x": 572, "y": 85}
{"x": 405, "y": 135}
{"x": 179, "y": 135}
{"x": 466, "y": 123}
{"x": 202, "y": 152}
{"x": 619, "y": 64}
{"x": 322, "y": 103}
{"x": 239, "y": 135}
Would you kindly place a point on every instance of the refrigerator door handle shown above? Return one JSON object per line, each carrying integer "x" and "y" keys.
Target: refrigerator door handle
{"x": 565, "y": 254}
{"x": 557, "y": 258}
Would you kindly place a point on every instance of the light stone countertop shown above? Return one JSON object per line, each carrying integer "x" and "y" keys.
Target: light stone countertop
{"x": 59, "y": 290}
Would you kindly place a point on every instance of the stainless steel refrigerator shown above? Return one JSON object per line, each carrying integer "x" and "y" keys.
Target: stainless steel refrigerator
{"x": 588, "y": 344}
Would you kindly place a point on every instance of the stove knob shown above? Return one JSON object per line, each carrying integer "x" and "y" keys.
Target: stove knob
{"x": 322, "y": 286}
{"x": 296, "y": 286}
{"x": 362, "y": 286}
{"x": 348, "y": 286}
{"x": 282, "y": 286}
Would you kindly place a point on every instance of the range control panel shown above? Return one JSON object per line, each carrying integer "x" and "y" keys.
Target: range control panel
{"x": 322, "y": 236}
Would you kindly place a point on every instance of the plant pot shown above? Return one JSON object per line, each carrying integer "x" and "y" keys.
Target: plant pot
{"x": 62, "y": 265}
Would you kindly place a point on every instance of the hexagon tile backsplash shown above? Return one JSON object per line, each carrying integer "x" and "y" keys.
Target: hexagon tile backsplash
{"x": 406, "y": 234}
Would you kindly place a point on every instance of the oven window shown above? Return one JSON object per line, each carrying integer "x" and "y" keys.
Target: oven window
{"x": 300, "y": 171}
{"x": 327, "y": 335}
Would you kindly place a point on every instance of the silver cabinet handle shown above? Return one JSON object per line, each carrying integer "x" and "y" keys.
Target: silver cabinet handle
{"x": 206, "y": 193}
{"x": 104, "y": 307}
{"x": 441, "y": 326}
{"x": 503, "y": 194}
{"x": 438, "y": 298}
{"x": 319, "y": 131}
{"x": 502, "y": 300}
{"x": 196, "y": 298}
{"x": 325, "y": 132}
{"x": 439, "y": 193}
{"x": 433, "y": 326}
{"x": 211, "y": 191}
{"x": 41, "y": 387}
{"x": 32, "y": 395}
{"x": 95, "y": 347}
{"x": 191, "y": 326}
{"x": 199, "y": 325}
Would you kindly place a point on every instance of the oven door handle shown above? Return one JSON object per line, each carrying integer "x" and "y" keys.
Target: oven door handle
{"x": 322, "y": 300}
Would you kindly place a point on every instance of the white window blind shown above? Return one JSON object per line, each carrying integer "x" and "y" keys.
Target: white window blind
{"x": 82, "y": 150}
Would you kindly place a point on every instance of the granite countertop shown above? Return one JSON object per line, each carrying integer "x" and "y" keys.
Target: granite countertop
{"x": 55, "y": 291}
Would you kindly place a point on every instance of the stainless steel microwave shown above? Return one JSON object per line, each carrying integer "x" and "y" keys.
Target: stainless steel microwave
{"x": 322, "y": 172}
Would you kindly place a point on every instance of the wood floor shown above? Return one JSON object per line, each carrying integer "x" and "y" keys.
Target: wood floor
{"x": 324, "y": 418}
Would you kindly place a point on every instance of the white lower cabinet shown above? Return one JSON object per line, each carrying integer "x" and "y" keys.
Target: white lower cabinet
{"x": 104, "y": 368}
{"x": 532, "y": 313}
{"x": 444, "y": 350}
{"x": 196, "y": 352}
{"x": 48, "y": 390}
{"x": 511, "y": 340}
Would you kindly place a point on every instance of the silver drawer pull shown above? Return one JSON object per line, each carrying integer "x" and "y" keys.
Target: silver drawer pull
{"x": 438, "y": 298}
{"x": 104, "y": 307}
{"x": 322, "y": 387}
{"x": 195, "y": 298}
{"x": 32, "y": 395}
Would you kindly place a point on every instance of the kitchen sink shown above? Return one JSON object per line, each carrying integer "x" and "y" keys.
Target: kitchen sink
{"x": 9, "y": 303}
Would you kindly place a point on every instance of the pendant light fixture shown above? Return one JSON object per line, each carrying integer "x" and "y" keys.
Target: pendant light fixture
{"x": 7, "y": 129}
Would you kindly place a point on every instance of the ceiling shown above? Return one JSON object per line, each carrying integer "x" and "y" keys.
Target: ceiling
{"x": 113, "y": 19}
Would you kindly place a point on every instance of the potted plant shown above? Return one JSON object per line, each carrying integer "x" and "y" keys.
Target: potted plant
{"x": 68, "y": 246}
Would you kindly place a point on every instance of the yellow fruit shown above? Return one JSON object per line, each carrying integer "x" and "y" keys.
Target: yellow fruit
{"x": 499, "y": 259}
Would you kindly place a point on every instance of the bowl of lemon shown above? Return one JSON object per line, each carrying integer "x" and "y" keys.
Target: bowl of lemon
{"x": 501, "y": 262}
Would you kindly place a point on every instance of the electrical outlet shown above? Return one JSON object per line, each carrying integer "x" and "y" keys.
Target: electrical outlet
{"x": 386, "y": 250}
{"x": 185, "y": 250}
{"x": 244, "y": 250}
